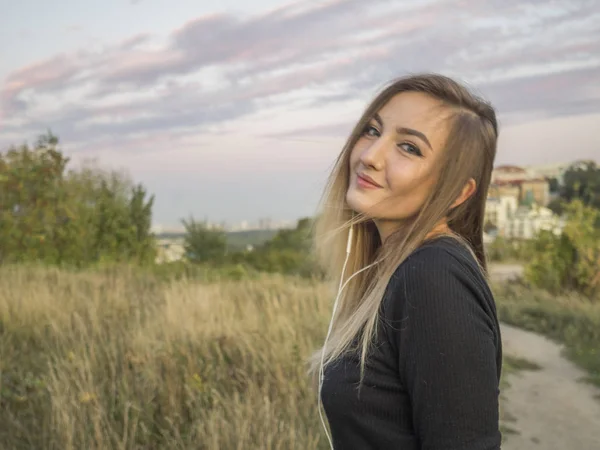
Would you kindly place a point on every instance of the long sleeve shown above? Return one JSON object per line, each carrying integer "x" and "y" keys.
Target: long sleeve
{"x": 448, "y": 353}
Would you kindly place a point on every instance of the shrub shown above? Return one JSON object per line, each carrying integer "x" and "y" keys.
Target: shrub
{"x": 570, "y": 261}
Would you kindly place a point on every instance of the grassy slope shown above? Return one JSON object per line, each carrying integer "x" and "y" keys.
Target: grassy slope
{"x": 121, "y": 360}
{"x": 569, "y": 319}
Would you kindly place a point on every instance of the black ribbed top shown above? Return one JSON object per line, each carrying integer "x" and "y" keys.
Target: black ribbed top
{"x": 432, "y": 380}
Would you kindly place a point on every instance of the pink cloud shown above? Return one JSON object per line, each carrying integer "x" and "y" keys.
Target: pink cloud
{"x": 129, "y": 66}
{"x": 255, "y": 54}
{"x": 47, "y": 74}
{"x": 134, "y": 41}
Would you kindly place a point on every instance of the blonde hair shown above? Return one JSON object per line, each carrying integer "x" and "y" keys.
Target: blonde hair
{"x": 469, "y": 153}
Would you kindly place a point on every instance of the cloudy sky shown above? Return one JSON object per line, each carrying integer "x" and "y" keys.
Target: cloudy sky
{"x": 237, "y": 111}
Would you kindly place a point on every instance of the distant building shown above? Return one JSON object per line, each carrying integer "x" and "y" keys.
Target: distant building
{"x": 535, "y": 190}
{"x": 498, "y": 190}
{"x": 265, "y": 224}
{"x": 508, "y": 173}
{"x": 549, "y": 171}
{"x": 527, "y": 222}
{"x": 511, "y": 220}
{"x": 169, "y": 250}
{"x": 498, "y": 210}
{"x": 525, "y": 185}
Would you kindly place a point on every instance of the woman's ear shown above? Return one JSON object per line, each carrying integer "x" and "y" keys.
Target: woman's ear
{"x": 467, "y": 191}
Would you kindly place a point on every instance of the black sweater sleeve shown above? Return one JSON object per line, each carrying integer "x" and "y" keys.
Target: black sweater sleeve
{"x": 447, "y": 341}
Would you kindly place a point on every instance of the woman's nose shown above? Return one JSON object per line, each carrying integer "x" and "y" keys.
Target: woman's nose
{"x": 374, "y": 155}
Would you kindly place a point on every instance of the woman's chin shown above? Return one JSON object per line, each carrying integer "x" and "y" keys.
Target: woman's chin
{"x": 353, "y": 202}
{"x": 359, "y": 204}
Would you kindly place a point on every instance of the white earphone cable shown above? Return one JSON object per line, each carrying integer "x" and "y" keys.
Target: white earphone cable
{"x": 335, "y": 304}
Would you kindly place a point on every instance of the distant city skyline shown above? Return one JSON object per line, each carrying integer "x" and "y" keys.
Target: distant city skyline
{"x": 236, "y": 111}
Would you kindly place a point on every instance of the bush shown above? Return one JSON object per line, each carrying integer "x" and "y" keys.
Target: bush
{"x": 83, "y": 217}
{"x": 570, "y": 261}
{"x": 203, "y": 244}
{"x": 569, "y": 318}
{"x": 289, "y": 252}
{"x": 502, "y": 249}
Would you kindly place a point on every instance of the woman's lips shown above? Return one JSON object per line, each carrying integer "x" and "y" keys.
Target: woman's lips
{"x": 366, "y": 182}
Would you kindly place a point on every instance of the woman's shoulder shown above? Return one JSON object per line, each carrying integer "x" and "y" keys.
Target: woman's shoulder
{"x": 441, "y": 271}
{"x": 441, "y": 254}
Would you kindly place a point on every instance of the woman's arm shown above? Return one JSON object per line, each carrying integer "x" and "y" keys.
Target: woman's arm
{"x": 448, "y": 354}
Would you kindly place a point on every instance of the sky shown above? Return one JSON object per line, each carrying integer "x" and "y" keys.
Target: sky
{"x": 236, "y": 110}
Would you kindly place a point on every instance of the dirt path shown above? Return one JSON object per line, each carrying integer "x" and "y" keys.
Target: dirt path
{"x": 505, "y": 272}
{"x": 552, "y": 410}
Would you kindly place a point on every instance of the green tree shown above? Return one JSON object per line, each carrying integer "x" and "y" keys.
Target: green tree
{"x": 503, "y": 249}
{"x": 140, "y": 218}
{"x": 289, "y": 252}
{"x": 553, "y": 185}
{"x": 572, "y": 259}
{"x": 580, "y": 181}
{"x": 297, "y": 239}
{"x": 79, "y": 217}
{"x": 203, "y": 244}
{"x": 32, "y": 201}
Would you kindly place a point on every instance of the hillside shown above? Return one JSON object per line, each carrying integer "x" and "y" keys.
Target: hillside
{"x": 236, "y": 240}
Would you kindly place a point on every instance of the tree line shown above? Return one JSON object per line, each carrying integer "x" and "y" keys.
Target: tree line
{"x": 52, "y": 214}
{"x": 80, "y": 217}
{"x": 288, "y": 252}
{"x": 74, "y": 217}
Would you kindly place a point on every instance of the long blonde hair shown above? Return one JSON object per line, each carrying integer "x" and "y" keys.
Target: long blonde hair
{"x": 469, "y": 153}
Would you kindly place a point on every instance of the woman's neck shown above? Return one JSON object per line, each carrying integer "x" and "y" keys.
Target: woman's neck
{"x": 440, "y": 228}
{"x": 386, "y": 228}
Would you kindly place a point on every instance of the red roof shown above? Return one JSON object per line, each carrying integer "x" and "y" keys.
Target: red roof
{"x": 507, "y": 168}
{"x": 506, "y": 182}
{"x": 518, "y": 182}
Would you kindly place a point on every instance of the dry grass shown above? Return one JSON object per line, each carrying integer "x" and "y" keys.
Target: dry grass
{"x": 570, "y": 319}
{"x": 123, "y": 362}
{"x": 120, "y": 360}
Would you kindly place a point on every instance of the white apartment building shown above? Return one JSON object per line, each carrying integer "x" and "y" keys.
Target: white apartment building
{"x": 518, "y": 222}
{"x": 498, "y": 210}
{"x": 526, "y": 223}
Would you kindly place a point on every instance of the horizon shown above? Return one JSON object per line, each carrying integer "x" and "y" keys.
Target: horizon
{"x": 237, "y": 112}
{"x": 287, "y": 222}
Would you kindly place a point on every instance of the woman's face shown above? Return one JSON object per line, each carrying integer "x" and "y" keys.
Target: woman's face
{"x": 393, "y": 164}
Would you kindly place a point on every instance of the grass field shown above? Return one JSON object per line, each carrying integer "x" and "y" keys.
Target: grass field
{"x": 121, "y": 360}
{"x": 570, "y": 319}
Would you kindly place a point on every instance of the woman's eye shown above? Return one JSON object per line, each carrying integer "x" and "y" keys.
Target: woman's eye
{"x": 410, "y": 148}
{"x": 371, "y": 131}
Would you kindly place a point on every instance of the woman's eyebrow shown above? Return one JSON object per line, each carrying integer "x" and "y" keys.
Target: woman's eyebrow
{"x": 404, "y": 130}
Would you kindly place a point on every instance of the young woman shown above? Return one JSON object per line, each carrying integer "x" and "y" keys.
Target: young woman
{"x": 412, "y": 359}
